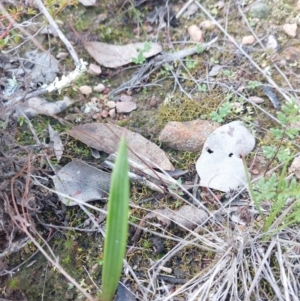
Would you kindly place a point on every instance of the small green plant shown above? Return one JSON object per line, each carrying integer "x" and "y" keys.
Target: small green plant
{"x": 199, "y": 48}
{"x": 140, "y": 59}
{"x": 190, "y": 64}
{"x": 176, "y": 187}
{"x": 21, "y": 120}
{"x": 14, "y": 284}
{"x": 214, "y": 61}
{"x": 116, "y": 226}
{"x": 202, "y": 88}
{"x": 252, "y": 85}
{"x": 223, "y": 111}
{"x": 289, "y": 118}
{"x": 277, "y": 192}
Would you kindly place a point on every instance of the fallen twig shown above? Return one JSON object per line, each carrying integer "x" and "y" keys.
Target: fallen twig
{"x": 156, "y": 63}
{"x": 63, "y": 38}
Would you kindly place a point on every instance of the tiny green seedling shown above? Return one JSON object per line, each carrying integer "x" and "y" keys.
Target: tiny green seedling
{"x": 176, "y": 188}
{"x": 252, "y": 85}
{"x": 223, "y": 111}
{"x": 202, "y": 88}
{"x": 140, "y": 59}
{"x": 21, "y": 120}
{"x": 199, "y": 49}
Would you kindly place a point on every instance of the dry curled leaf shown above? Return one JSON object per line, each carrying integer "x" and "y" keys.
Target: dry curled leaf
{"x": 114, "y": 56}
{"x": 187, "y": 217}
{"x": 105, "y": 137}
{"x": 38, "y": 105}
{"x": 82, "y": 182}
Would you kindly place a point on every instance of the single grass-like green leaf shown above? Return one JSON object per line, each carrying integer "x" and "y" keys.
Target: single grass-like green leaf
{"x": 116, "y": 225}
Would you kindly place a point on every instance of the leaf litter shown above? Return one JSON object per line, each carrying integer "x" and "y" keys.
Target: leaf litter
{"x": 105, "y": 137}
{"x": 229, "y": 240}
{"x": 80, "y": 181}
{"x": 114, "y": 56}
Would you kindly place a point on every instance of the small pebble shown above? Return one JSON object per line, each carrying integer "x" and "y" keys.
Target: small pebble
{"x": 112, "y": 113}
{"x": 94, "y": 69}
{"x": 195, "y": 33}
{"x": 272, "y": 43}
{"x": 125, "y": 107}
{"x": 86, "y": 90}
{"x": 256, "y": 99}
{"x": 220, "y": 4}
{"x": 290, "y": 29}
{"x": 125, "y": 98}
{"x": 100, "y": 18}
{"x": 153, "y": 102}
{"x": 62, "y": 55}
{"x": 208, "y": 25}
{"x": 254, "y": 171}
{"x": 96, "y": 115}
{"x": 110, "y": 104}
{"x": 104, "y": 114}
{"x": 248, "y": 40}
{"x": 99, "y": 88}
{"x": 191, "y": 10}
{"x": 259, "y": 218}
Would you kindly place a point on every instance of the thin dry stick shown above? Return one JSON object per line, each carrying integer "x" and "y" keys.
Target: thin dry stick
{"x": 23, "y": 224}
{"x": 261, "y": 267}
{"x": 267, "y": 77}
{"x": 283, "y": 274}
{"x": 34, "y": 41}
{"x": 184, "y": 8}
{"x": 63, "y": 38}
{"x": 263, "y": 47}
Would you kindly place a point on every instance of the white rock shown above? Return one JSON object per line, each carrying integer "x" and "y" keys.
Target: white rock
{"x": 125, "y": 98}
{"x": 220, "y": 165}
{"x": 248, "y": 40}
{"x": 195, "y": 33}
{"x": 290, "y": 29}
{"x": 62, "y": 55}
{"x": 94, "y": 69}
{"x": 208, "y": 25}
{"x": 256, "y": 99}
{"x": 99, "y": 88}
{"x": 272, "y": 43}
{"x": 125, "y": 107}
{"x": 110, "y": 104}
{"x": 191, "y": 10}
{"x": 86, "y": 90}
{"x": 112, "y": 113}
{"x": 88, "y": 2}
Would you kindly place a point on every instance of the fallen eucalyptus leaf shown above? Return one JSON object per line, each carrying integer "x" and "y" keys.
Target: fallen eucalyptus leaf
{"x": 37, "y": 105}
{"x": 106, "y": 137}
{"x": 187, "y": 217}
{"x": 220, "y": 165}
{"x": 82, "y": 182}
{"x": 114, "y": 56}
